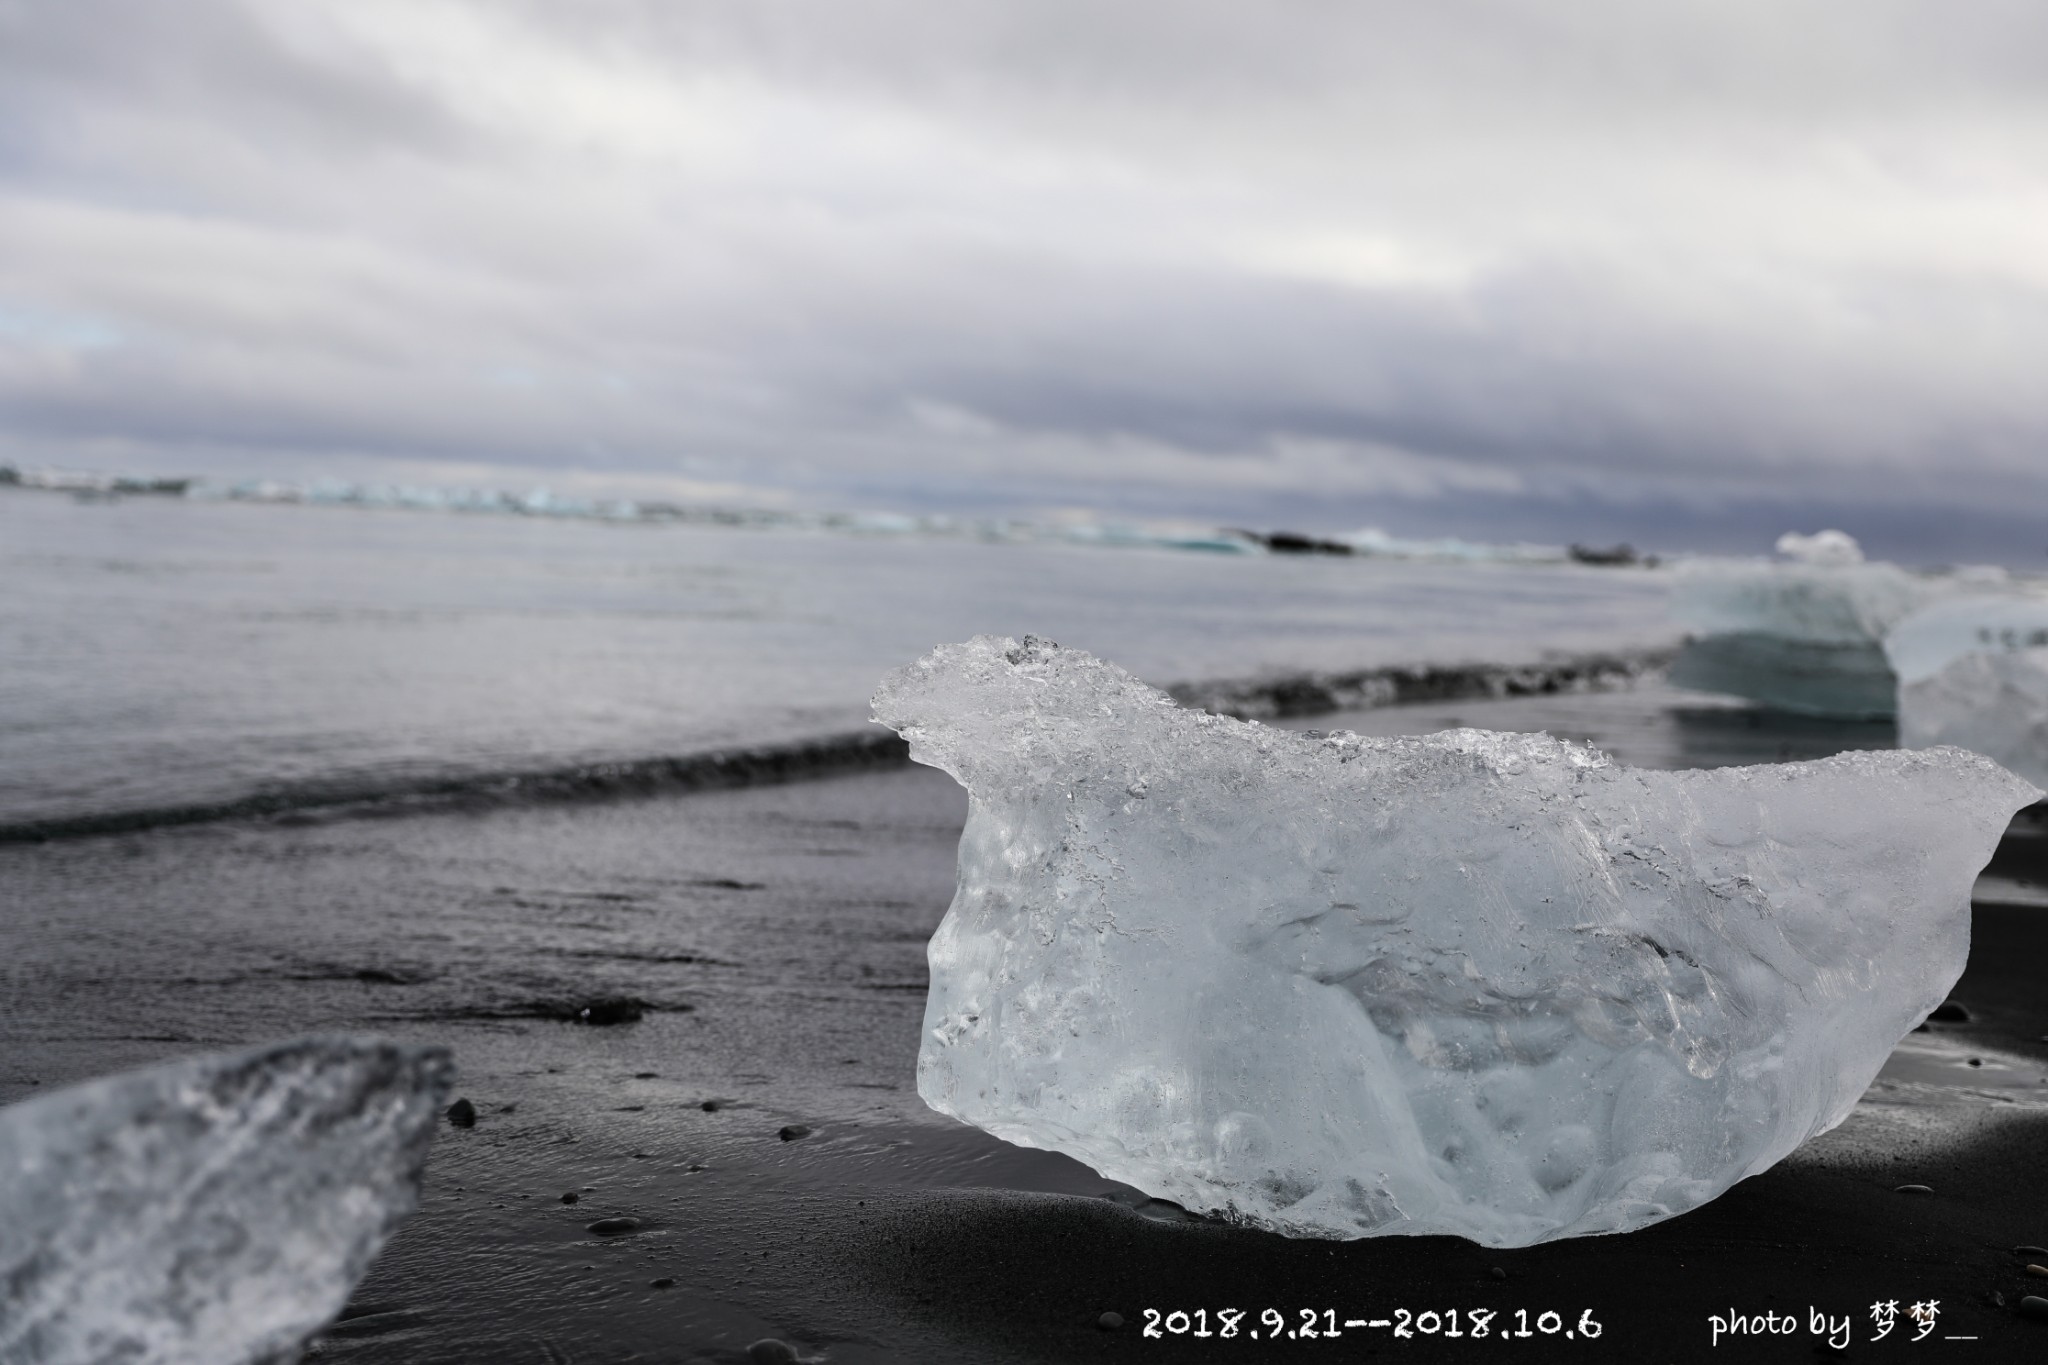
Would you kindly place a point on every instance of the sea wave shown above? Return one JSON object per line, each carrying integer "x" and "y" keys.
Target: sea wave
{"x": 1308, "y": 694}
{"x": 1369, "y": 542}
{"x": 1265, "y": 697}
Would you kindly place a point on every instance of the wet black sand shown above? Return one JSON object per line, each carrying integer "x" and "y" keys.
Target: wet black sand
{"x": 771, "y": 940}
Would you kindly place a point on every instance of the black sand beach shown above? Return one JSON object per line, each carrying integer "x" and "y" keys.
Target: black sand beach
{"x": 751, "y": 1104}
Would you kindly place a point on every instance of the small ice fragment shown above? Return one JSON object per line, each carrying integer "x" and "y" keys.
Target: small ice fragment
{"x": 1973, "y": 672}
{"x": 1482, "y": 984}
{"x": 1822, "y": 547}
{"x": 213, "y": 1211}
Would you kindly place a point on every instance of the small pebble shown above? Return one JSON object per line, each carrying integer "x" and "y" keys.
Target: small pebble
{"x": 1951, "y": 1012}
{"x": 646, "y": 1075}
{"x": 791, "y": 1132}
{"x": 769, "y": 1351}
{"x": 613, "y": 1227}
{"x": 571, "y": 1197}
{"x": 1498, "y": 1273}
{"x": 1109, "y": 1322}
{"x": 2017, "y": 1251}
{"x": 1976, "y": 1061}
{"x": 2034, "y": 1306}
{"x": 462, "y": 1114}
{"x": 710, "y": 1106}
{"x": 1913, "y": 1189}
{"x": 2039, "y": 1272}
{"x": 665, "y": 1282}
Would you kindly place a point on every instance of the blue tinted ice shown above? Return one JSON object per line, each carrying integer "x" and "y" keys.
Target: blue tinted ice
{"x": 1806, "y": 634}
{"x": 1973, "y": 672}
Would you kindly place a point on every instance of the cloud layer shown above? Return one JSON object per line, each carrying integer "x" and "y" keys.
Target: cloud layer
{"x": 1492, "y": 268}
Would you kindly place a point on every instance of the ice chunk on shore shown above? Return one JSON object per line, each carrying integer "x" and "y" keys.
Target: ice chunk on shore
{"x": 1805, "y": 636}
{"x": 214, "y": 1211}
{"x": 1472, "y": 983}
{"x": 1822, "y": 547}
{"x": 1973, "y": 672}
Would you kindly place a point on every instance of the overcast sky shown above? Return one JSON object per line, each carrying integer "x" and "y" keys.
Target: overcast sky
{"x": 1687, "y": 274}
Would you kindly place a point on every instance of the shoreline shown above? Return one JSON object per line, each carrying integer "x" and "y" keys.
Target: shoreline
{"x": 1275, "y": 696}
{"x": 773, "y": 937}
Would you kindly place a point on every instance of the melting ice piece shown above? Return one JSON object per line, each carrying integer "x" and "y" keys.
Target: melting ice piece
{"x": 1973, "y": 671}
{"x": 214, "y": 1211}
{"x": 1473, "y": 983}
{"x": 1822, "y": 547}
{"x": 1806, "y": 635}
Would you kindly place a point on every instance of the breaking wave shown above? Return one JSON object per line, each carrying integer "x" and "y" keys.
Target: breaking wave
{"x": 1370, "y": 542}
{"x": 1272, "y": 696}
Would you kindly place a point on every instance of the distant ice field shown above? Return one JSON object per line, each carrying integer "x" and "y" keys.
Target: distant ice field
{"x": 159, "y": 652}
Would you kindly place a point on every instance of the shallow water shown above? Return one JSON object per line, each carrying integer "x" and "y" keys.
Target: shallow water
{"x": 156, "y": 652}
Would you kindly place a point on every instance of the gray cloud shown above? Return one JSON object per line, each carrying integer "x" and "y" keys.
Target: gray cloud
{"x": 1483, "y": 267}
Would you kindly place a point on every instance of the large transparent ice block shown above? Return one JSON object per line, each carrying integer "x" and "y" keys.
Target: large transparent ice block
{"x": 1472, "y": 983}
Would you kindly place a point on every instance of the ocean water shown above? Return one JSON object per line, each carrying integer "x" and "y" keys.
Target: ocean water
{"x": 158, "y": 652}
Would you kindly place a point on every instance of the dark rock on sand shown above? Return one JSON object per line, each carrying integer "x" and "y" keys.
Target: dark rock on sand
{"x": 769, "y": 1351}
{"x": 1951, "y": 1012}
{"x": 374, "y": 1321}
{"x": 1109, "y": 1322}
{"x": 462, "y": 1114}
{"x": 2030, "y": 1251}
{"x": 602, "y": 1011}
{"x": 1294, "y": 543}
{"x": 611, "y": 1010}
{"x": 2034, "y": 1306}
{"x": 1912, "y": 1189}
{"x": 665, "y": 1282}
{"x": 791, "y": 1132}
{"x": 571, "y": 1197}
{"x": 1497, "y": 1273}
{"x": 613, "y": 1227}
{"x": 1614, "y": 555}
